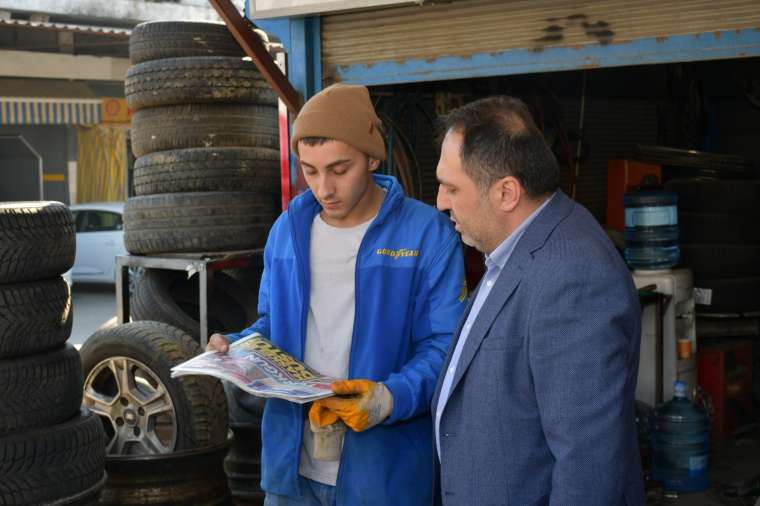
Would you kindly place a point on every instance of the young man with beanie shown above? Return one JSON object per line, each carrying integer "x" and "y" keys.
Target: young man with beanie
{"x": 366, "y": 285}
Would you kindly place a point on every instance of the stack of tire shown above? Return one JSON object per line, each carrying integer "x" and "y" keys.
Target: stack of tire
{"x": 51, "y": 450}
{"x": 720, "y": 242}
{"x": 206, "y": 181}
{"x": 206, "y": 174}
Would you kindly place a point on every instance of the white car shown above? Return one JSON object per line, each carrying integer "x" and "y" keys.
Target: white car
{"x": 100, "y": 238}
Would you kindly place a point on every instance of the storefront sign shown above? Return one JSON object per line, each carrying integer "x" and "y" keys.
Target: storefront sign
{"x": 115, "y": 110}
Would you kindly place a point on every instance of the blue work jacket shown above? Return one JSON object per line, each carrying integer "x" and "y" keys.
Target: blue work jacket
{"x": 410, "y": 293}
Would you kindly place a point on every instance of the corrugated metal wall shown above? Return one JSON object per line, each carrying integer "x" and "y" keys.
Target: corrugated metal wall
{"x": 465, "y": 27}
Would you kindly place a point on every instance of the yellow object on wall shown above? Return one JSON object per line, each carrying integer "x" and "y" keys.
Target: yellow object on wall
{"x": 115, "y": 110}
{"x": 101, "y": 163}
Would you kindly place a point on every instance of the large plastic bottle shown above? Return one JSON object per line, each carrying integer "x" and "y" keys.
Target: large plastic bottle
{"x": 680, "y": 444}
{"x": 651, "y": 230}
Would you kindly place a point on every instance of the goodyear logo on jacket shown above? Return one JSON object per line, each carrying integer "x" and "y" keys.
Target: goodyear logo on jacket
{"x": 397, "y": 253}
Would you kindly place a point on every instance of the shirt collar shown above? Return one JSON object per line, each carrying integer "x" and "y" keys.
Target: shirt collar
{"x": 498, "y": 257}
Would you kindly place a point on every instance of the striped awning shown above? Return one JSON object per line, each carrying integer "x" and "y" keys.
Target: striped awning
{"x": 50, "y": 111}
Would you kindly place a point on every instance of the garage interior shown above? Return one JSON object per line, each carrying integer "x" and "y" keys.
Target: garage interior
{"x": 707, "y": 112}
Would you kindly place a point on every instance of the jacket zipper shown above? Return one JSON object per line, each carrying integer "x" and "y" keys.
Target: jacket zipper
{"x": 375, "y": 224}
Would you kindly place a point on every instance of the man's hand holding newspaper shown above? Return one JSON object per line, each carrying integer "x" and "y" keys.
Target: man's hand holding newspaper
{"x": 260, "y": 368}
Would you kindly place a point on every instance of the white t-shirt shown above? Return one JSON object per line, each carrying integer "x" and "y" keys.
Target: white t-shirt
{"x": 330, "y": 323}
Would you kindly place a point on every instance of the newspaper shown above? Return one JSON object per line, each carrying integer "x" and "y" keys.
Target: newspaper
{"x": 262, "y": 369}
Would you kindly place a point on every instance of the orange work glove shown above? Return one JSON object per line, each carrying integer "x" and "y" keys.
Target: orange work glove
{"x": 321, "y": 416}
{"x": 361, "y": 404}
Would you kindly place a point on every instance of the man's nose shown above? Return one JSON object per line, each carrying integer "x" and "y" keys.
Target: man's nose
{"x": 441, "y": 202}
{"x": 326, "y": 187}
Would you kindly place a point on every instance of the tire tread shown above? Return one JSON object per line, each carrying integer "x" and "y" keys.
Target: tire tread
{"x": 196, "y": 80}
{"x": 40, "y": 390}
{"x": 197, "y": 222}
{"x": 34, "y": 316}
{"x": 42, "y": 465}
{"x": 203, "y": 126}
{"x": 37, "y": 241}
{"x": 201, "y": 170}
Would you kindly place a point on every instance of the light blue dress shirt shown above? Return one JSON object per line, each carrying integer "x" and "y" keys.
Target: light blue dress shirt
{"x": 495, "y": 262}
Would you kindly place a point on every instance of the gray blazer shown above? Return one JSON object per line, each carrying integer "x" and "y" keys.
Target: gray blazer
{"x": 541, "y": 409}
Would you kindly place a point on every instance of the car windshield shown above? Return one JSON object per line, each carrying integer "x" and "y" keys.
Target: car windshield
{"x": 97, "y": 221}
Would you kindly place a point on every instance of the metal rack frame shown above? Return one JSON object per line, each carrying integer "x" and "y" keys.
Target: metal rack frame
{"x": 203, "y": 266}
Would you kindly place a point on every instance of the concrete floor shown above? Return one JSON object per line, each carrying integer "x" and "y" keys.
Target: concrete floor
{"x": 94, "y": 306}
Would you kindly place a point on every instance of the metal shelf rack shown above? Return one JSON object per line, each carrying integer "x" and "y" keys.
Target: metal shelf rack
{"x": 204, "y": 265}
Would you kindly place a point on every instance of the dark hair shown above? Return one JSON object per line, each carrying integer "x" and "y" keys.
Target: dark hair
{"x": 315, "y": 141}
{"x": 318, "y": 141}
{"x": 499, "y": 139}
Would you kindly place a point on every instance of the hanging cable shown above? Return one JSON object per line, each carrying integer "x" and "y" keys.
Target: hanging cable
{"x": 579, "y": 147}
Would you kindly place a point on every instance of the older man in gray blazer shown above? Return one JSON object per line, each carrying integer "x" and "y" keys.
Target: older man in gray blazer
{"x": 536, "y": 403}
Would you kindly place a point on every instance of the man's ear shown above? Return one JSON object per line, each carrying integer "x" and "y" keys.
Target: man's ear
{"x": 509, "y": 191}
{"x": 374, "y": 163}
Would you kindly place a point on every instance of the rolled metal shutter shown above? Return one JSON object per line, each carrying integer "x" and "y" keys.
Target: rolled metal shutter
{"x": 467, "y": 27}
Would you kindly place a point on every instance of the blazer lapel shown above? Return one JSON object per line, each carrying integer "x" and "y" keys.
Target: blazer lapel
{"x": 455, "y": 339}
{"x": 533, "y": 239}
{"x": 502, "y": 290}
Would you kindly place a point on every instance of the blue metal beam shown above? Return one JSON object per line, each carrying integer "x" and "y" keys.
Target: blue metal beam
{"x": 300, "y": 36}
{"x": 677, "y": 48}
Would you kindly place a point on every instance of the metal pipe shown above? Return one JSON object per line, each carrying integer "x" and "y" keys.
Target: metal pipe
{"x": 578, "y": 148}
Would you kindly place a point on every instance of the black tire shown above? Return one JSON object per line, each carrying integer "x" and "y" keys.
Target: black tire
{"x": 710, "y": 196}
{"x": 214, "y": 79}
{"x": 37, "y": 241}
{"x": 197, "y": 222}
{"x": 718, "y": 228}
{"x": 39, "y": 390}
{"x": 34, "y": 316}
{"x": 720, "y": 165}
{"x": 250, "y": 276}
{"x": 245, "y": 409}
{"x": 172, "y": 39}
{"x": 731, "y": 296}
{"x": 43, "y": 465}
{"x": 203, "y": 170}
{"x": 88, "y": 497}
{"x": 199, "y": 404}
{"x": 169, "y": 297}
{"x": 184, "y": 478}
{"x": 203, "y": 126}
{"x": 711, "y": 261}
{"x": 243, "y": 464}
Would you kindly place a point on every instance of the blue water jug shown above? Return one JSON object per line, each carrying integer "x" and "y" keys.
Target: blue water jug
{"x": 651, "y": 230}
{"x": 680, "y": 444}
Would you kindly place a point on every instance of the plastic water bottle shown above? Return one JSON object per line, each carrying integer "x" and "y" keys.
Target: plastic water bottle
{"x": 651, "y": 230}
{"x": 680, "y": 444}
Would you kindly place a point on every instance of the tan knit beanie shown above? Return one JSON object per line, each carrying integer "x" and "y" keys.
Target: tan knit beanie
{"x": 342, "y": 112}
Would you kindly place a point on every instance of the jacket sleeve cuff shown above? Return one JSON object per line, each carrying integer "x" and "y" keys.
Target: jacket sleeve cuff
{"x": 236, "y": 336}
{"x": 401, "y": 394}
